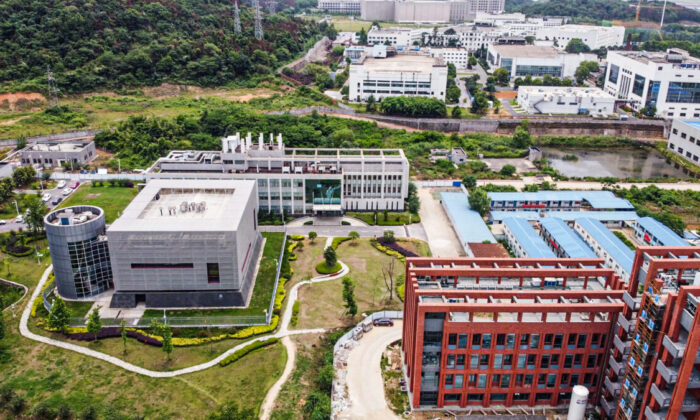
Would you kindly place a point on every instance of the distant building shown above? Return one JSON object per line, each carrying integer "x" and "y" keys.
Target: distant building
{"x": 565, "y": 100}
{"x": 183, "y": 243}
{"x": 457, "y": 56}
{"x": 401, "y": 75}
{"x": 524, "y": 60}
{"x": 54, "y": 153}
{"x": 515, "y": 19}
{"x": 669, "y": 80}
{"x": 429, "y": 11}
{"x": 458, "y": 156}
{"x": 684, "y": 139}
{"x": 650, "y": 231}
{"x": 340, "y": 7}
{"x": 394, "y": 36}
{"x": 594, "y": 36}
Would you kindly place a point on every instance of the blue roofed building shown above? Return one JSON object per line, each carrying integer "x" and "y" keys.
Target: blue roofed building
{"x": 650, "y": 231}
{"x": 558, "y": 200}
{"x": 564, "y": 242}
{"x": 467, "y": 223}
{"x": 606, "y": 245}
{"x": 616, "y": 218}
{"x": 524, "y": 240}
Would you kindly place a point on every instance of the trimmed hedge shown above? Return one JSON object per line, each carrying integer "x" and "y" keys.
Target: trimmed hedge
{"x": 17, "y": 246}
{"x": 279, "y": 297}
{"x": 297, "y": 237}
{"x": 39, "y": 301}
{"x": 386, "y": 250}
{"x": 322, "y": 268}
{"x": 398, "y": 248}
{"x": 295, "y": 313}
{"x": 339, "y": 240}
{"x": 110, "y": 332}
{"x": 247, "y": 349}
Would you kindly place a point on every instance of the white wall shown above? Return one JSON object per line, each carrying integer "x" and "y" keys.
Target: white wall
{"x": 684, "y": 140}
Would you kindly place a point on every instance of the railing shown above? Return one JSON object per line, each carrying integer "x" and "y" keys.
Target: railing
{"x": 277, "y": 277}
{"x": 48, "y": 290}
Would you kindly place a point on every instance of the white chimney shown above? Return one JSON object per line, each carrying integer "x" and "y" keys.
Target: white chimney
{"x": 279, "y": 141}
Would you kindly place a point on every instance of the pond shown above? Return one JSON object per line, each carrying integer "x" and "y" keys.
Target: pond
{"x": 625, "y": 162}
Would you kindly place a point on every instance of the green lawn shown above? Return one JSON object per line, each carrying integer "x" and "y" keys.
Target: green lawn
{"x": 78, "y": 309}
{"x": 391, "y": 219}
{"x": 262, "y": 291}
{"x": 112, "y": 200}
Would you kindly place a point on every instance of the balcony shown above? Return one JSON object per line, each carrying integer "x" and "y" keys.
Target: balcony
{"x": 623, "y": 347}
{"x": 608, "y": 406}
{"x": 633, "y": 303}
{"x": 661, "y": 415}
{"x": 613, "y": 387}
{"x": 617, "y": 367}
{"x": 663, "y": 397}
{"x": 626, "y": 324}
{"x": 669, "y": 373}
{"x": 676, "y": 349}
{"x": 686, "y": 320}
{"x": 694, "y": 381}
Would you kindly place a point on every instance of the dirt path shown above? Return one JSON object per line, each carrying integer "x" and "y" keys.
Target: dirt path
{"x": 269, "y": 401}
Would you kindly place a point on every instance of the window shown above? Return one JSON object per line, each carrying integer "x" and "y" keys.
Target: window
{"x": 554, "y": 363}
{"x": 543, "y": 396}
{"x": 486, "y": 342}
{"x": 500, "y": 341}
{"x": 144, "y": 266}
{"x": 459, "y": 379}
{"x": 476, "y": 341}
{"x": 452, "y": 397}
{"x": 450, "y": 361}
{"x": 638, "y": 85}
{"x": 505, "y": 381}
{"x": 213, "y": 273}
{"x": 591, "y": 361}
{"x": 508, "y": 361}
{"x": 684, "y": 135}
{"x": 475, "y": 397}
{"x": 574, "y": 379}
{"x": 460, "y": 361}
{"x": 595, "y": 340}
{"x": 484, "y": 361}
{"x": 531, "y": 361}
{"x": 572, "y": 341}
{"x": 581, "y": 341}
{"x": 521, "y": 396}
{"x": 524, "y": 338}
{"x": 452, "y": 341}
{"x": 498, "y": 361}
{"x": 534, "y": 341}
{"x": 568, "y": 360}
{"x": 544, "y": 363}
{"x": 679, "y": 92}
{"x": 462, "y": 341}
{"x": 614, "y": 72}
{"x": 510, "y": 341}
{"x": 449, "y": 381}
{"x": 587, "y": 379}
{"x": 548, "y": 338}
{"x": 528, "y": 379}
{"x": 558, "y": 339}
{"x": 481, "y": 381}
{"x": 578, "y": 358}
{"x": 521, "y": 361}
{"x": 474, "y": 361}
{"x": 564, "y": 380}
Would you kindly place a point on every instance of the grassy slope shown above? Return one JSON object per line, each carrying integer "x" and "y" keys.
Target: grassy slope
{"x": 113, "y": 200}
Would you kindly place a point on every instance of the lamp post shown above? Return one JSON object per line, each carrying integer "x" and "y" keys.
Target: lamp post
{"x": 16, "y": 207}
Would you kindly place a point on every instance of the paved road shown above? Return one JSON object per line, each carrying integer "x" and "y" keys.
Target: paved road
{"x": 11, "y": 224}
{"x": 364, "y": 380}
{"x": 414, "y": 230}
{"x": 442, "y": 238}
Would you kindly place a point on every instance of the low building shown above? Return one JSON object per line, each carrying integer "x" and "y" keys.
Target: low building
{"x": 535, "y": 61}
{"x": 558, "y": 200}
{"x": 652, "y": 232}
{"x": 594, "y": 36}
{"x": 401, "y": 75}
{"x": 340, "y": 7}
{"x": 457, "y": 56}
{"x": 523, "y": 239}
{"x": 606, "y": 245}
{"x": 297, "y": 180}
{"x": 55, "y": 153}
{"x": 186, "y": 243}
{"x": 562, "y": 240}
{"x": 684, "y": 139}
{"x": 393, "y": 36}
{"x": 668, "y": 81}
{"x": 565, "y": 100}
{"x": 354, "y": 53}
{"x": 78, "y": 244}
{"x": 458, "y": 156}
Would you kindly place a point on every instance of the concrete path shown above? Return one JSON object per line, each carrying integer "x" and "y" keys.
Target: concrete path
{"x": 365, "y": 231}
{"x": 441, "y": 236}
{"x": 269, "y": 402}
{"x": 364, "y": 381}
{"x": 24, "y": 330}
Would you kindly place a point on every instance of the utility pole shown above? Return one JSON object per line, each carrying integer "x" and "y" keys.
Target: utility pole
{"x": 53, "y": 90}
{"x": 236, "y": 19}
{"x": 258, "y": 20}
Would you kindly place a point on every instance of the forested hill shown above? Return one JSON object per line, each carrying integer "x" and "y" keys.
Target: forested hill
{"x": 94, "y": 44}
{"x": 597, "y": 10}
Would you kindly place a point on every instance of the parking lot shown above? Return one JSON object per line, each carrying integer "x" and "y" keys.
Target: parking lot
{"x": 54, "y": 193}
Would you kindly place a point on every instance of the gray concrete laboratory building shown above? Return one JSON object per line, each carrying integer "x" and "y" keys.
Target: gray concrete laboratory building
{"x": 185, "y": 243}
{"x": 79, "y": 251}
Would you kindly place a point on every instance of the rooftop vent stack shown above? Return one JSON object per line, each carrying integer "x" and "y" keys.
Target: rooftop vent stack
{"x": 272, "y": 138}
{"x": 249, "y": 137}
{"x": 279, "y": 141}
{"x": 161, "y": 211}
{"x": 261, "y": 142}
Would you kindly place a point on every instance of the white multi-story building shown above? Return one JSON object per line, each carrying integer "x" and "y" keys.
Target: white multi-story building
{"x": 536, "y": 61}
{"x": 684, "y": 139}
{"x": 341, "y": 7}
{"x": 594, "y": 36}
{"x": 469, "y": 37}
{"x": 457, "y": 56}
{"x": 400, "y": 75}
{"x": 432, "y": 11}
{"x": 394, "y": 36}
{"x": 299, "y": 181}
{"x": 669, "y": 80}
{"x": 565, "y": 100}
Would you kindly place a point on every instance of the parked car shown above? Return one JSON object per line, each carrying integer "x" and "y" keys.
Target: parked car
{"x": 46, "y": 197}
{"x": 19, "y": 219}
{"x": 67, "y": 190}
{"x": 75, "y": 185}
{"x": 57, "y": 200}
{"x": 383, "y": 322}
{"x": 61, "y": 184}
{"x": 3, "y": 222}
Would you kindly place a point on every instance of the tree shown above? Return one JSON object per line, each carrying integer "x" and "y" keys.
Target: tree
{"x": 530, "y": 39}
{"x": 501, "y": 75}
{"x": 324, "y": 380}
{"x": 59, "y": 315}
{"x": 469, "y": 182}
{"x": 94, "y": 324}
{"x": 371, "y": 104}
{"x": 388, "y": 273}
{"x": 2, "y": 322}
{"x": 363, "y": 36}
{"x": 353, "y": 235}
{"x": 576, "y": 45}
{"x": 451, "y": 71}
{"x": 507, "y": 170}
{"x": 312, "y": 236}
{"x": 330, "y": 256}
{"x": 456, "y": 112}
{"x": 649, "y": 111}
{"x": 21, "y": 142}
{"x": 479, "y": 201}
{"x": 521, "y": 137}
{"x": 46, "y": 176}
{"x": 388, "y": 237}
{"x": 167, "y": 334}
{"x": 480, "y": 104}
{"x": 349, "y": 296}
{"x": 122, "y": 325}
{"x": 37, "y": 210}
{"x": 582, "y": 73}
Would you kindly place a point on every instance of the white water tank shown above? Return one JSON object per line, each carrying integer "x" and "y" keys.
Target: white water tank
{"x": 577, "y": 406}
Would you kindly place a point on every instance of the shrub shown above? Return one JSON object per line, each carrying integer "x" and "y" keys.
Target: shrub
{"x": 279, "y": 297}
{"x": 257, "y": 329}
{"x": 16, "y": 246}
{"x": 247, "y": 349}
{"x": 322, "y": 268}
{"x": 295, "y": 313}
{"x": 297, "y": 237}
{"x": 309, "y": 223}
{"x": 339, "y": 240}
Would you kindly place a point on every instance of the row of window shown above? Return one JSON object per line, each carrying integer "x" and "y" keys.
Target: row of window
{"x": 526, "y": 341}
{"x": 543, "y": 380}
{"x": 91, "y": 266}
{"x": 685, "y": 153}
{"x": 524, "y": 361}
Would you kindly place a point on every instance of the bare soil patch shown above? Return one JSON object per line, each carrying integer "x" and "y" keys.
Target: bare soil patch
{"x": 167, "y": 90}
{"x": 92, "y": 195}
{"x": 12, "y": 121}
{"x": 20, "y": 101}
{"x": 506, "y": 94}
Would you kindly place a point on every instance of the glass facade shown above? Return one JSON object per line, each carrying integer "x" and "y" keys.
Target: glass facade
{"x": 683, "y": 92}
{"x": 507, "y": 63}
{"x": 638, "y": 86}
{"x": 653, "y": 92}
{"x": 554, "y": 71}
{"x": 323, "y": 191}
{"x": 92, "y": 271}
{"x": 614, "y": 72}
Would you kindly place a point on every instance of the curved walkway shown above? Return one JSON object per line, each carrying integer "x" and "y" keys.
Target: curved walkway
{"x": 24, "y": 330}
{"x": 20, "y": 298}
{"x": 269, "y": 401}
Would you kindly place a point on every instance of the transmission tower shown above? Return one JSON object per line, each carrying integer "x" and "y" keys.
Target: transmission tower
{"x": 53, "y": 90}
{"x": 258, "y": 20}
{"x": 272, "y": 6}
{"x": 236, "y": 19}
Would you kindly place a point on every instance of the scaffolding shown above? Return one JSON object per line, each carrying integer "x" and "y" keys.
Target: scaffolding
{"x": 642, "y": 353}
